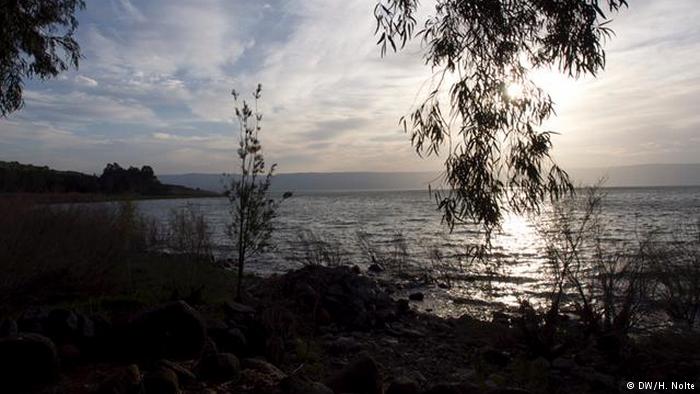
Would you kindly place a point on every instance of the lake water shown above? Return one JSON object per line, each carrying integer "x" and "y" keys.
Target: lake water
{"x": 337, "y": 217}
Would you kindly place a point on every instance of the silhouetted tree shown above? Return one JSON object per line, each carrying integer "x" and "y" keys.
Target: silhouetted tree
{"x": 497, "y": 157}
{"x": 251, "y": 206}
{"x": 36, "y": 40}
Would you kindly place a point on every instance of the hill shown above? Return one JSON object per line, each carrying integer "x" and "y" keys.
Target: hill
{"x": 621, "y": 176}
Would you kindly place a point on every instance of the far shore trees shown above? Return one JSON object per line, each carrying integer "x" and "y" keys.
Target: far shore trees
{"x": 483, "y": 112}
{"x": 251, "y": 206}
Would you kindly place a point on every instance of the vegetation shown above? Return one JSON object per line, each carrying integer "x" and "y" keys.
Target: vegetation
{"x": 36, "y": 37}
{"x": 115, "y": 180}
{"x": 251, "y": 207}
{"x": 497, "y": 155}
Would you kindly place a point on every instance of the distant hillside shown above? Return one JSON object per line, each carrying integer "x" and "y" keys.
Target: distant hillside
{"x": 639, "y": 175}
{"x": 115, "y": 180}
{"x": 319, "y": 181}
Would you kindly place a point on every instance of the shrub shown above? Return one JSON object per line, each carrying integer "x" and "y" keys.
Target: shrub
{"x": 316, "y": 251}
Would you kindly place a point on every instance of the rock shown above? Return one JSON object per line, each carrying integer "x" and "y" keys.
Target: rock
{"x": 27, "y": 359}
{"x": 61, "y": 325}
{"x": 295, "y": 385}
{"x": 352, "y": 301}
{"x": 362, "y": 376}
{"x": 403, "y": 386}
{"x": 495, "y": 357}
{"x": 68, "y": 353}
{"x": 452, "y": 388}
{"x": 219, "y": 367}
{"x": 343, "y": 345}
{"x": 418, "y": 296}
{"x": 161, "y": 381}
{"x": 8, "y": 327}
{"x": 508, "y": 390}
{"x": 230, "y": 341}
{"x": 125, "y": 381}
{"x": 238, "y": 310}
{"x": 564, "y": 364}
{"x": 261, "y": 376}
{"x": 262, "y": 366}
{"x": 184, "y": 375}
{"x": 32, "y": 320}
{"x": 375, "y": 268}
{"x": 172, "y": 331}
{"x": 402, "y": 306}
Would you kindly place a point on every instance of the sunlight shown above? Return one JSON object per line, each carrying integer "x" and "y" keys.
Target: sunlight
{"x": 514, "y": 91}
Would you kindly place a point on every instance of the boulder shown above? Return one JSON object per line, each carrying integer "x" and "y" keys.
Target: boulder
{"x": 350, "y": 300}
{"x": 418, "y": 296}
{"x": 8, "y": 327}
{"x": 161, "y": 381}
{"x": 260, "y": 375}
{"x": 295, "y": 385}
{"x": 219, "y": 367}
{"x": 32, "y": 320}
{"x": 172, "y": 331}
{"x": 403, "y": 385}
{"x": 361, "y": 376}
{"x": 26, "y": 360}
{"x": 184, "y": 375}
{"x": 230, "y": 340}
{"x": 452, "y": 388}
{"x": 126, "y": 380}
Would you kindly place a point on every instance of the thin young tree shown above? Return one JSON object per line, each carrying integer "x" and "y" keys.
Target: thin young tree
{"x": 483, "y": 112}
{"x": 251, "y": 206}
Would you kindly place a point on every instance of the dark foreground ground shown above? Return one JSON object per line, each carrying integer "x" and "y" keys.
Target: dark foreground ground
{"x": 314, "y": 330}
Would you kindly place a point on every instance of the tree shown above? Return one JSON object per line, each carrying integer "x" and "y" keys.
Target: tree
{"x": 497, "y": 155}
{"x": 251, "y": 206}
{"x": 36, "y": 37}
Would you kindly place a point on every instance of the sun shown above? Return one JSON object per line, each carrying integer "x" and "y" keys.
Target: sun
{"x": 514, "y": 91}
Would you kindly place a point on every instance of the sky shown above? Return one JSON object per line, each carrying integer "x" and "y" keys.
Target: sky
{"x": 154, "y": 88}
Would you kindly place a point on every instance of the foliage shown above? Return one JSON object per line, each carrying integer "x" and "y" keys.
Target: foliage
{"x": 393, "y": 257}
{"x": 317, "y": 251}
{"x": 189, "y": 234}
{"x": 26, "y": 178}
{"x": 36, "y": 37}
{"x": 498, "y": 158}
{"x": 63, "y": 251}
{"x": 676, "y": 267}
{"x": 251, "y": 207}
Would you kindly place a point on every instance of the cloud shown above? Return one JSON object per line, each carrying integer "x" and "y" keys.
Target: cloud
{"x": 155, "y": 81}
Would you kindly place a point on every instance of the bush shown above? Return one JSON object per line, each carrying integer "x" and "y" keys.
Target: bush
{"x": 315, "y": 251}
{"x": 61, "y": 252}
{"x": 189, "y": 234}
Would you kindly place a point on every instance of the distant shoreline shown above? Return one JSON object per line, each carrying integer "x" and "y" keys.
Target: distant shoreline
{"x": 67, "y": 198}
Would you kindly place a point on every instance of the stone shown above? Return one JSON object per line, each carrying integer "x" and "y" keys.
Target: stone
{"x": 564, "y": 364}
{"x": 126, "y": 380}
{"x": 262, "y": 366}
{"x": 418, "y": 296}
{"x": 184, "y": 375}
{"x": 403, "y": 385}
{"x": 452, "y": 388}
{"x": 361, "y": 376}
{"x": 495, "y": 357}
{"x": 8, "y": 327}
{"x": 173, "y": 331}
{"x": 295, "y": 385}
{"x": 26, "y": 360}
{"x": 375, "y": 268}
{"x": 219, "y": 367}
{"x": 402, "y": 306}
{"x": 343, "y": 345}
{"x": 161, "y": 381}
{"x": 230, "y": 341}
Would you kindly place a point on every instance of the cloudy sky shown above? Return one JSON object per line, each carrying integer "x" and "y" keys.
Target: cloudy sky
{"x": 154, "y": 87}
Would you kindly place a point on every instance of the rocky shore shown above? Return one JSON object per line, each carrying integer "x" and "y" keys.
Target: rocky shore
{"x": 318, "y": 330}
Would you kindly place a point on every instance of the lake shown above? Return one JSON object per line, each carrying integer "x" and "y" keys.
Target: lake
{"x": 337, "y": 217}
